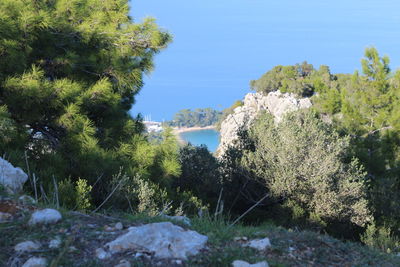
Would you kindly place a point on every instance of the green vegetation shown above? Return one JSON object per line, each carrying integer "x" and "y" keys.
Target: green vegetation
{"x": 286, "y": 157}
{"x": 69, "y": 74}
{"x": 68, "y": 77}
{"x": 349, "y": 143}
{"x": 200, "y": 117}
{"x": 290, "y": 247}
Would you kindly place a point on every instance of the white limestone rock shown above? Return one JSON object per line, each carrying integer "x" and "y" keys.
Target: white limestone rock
{"x": 259, "y": 244}
{"x": 119, "y": 226}
{"x": 35, "y": 262}
{"x": 101, "y": 254}
{"x": 11, "y": 178}
{"x": 55, "y": 243}
{"x": 164, "y": 239}
{"x": 239, "y": 263}
{"x": 46, "y": 216}
{"x": 276, "y": 103}
{"x": 26, "y": 246}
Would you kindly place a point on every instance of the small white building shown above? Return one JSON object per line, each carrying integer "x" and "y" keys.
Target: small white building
{"x": 153, "y": 126}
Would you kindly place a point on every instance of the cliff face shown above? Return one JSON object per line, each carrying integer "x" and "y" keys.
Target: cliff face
{"x": 275, "y": 103}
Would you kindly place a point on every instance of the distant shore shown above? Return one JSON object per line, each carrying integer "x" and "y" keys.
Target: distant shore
{"x": 192, "y": 129}
{"x": 179, "y": 130}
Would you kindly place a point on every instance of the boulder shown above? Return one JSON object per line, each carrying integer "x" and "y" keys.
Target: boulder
{"x": 35, "y": 262}
{"x": 239, "y": 263}
{"x": 259, "y": 244}
{"x": 26, "y": 246}
{"x": 11, "y": 178}
{"x": 45, "y": 216}
{"x": 164, "y": 239}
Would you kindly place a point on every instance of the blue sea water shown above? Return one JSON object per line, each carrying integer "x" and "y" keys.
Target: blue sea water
{"x": 219, "y": 46}
{"x": 208, "y": 137}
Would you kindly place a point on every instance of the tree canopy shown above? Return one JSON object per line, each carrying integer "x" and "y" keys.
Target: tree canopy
{"x": 69, "y": 72}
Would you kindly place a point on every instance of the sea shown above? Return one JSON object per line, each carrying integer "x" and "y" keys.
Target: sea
{"x": 208, "y": 137}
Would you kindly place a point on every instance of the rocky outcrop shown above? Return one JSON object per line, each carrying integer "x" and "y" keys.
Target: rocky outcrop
{"x": 276, "y": 103}
{"x": 164, "y": 240}
{"x": 11, "y": 178}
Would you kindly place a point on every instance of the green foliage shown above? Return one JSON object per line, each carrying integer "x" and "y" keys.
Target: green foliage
{"x": 303, "y": 160}
{"x": 67, "y": 194}
{"x": 198, "y": 117}
{"x": 68, "y": 77}
{"x": 291, "y": 79}
{"x": 380, "y": 238}
{"x": 152, "y": 199}
{"x": 83, "y": 191}
{"x": 75, "y": 195}
{"x": 200, "y": 173}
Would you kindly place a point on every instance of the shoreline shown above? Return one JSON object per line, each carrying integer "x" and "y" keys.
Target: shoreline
{"x": 192, "y": 129}
{"x": 178, "y": 130}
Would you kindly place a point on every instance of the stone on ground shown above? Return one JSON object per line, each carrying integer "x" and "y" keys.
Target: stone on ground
{"x": 246, "y": 264}
{"x": 55, "y": 243}
{"x": 164, "y": 239}
{"x": 45, "y": 216}
{"x": 259, "y": 244}
{"x": 119, "y": 226}
{"x": 35, "y": 262}
{"x": 26, "y": 246}
{"x": 11, "y": 178}
{"x": 101, "y": 254}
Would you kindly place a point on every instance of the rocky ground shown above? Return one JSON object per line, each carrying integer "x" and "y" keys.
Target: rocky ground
{"x": 30, "y": 233}
{"x": 35, "y": 236}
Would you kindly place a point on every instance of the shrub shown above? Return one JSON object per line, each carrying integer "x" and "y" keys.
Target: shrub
{"x": 302, "y": 159}
{"x": 83, "y": 191}
{"x": 75, "y": 195}
{"x": 380, "y": 238}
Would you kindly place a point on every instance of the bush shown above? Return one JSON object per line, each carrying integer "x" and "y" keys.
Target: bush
{"x": 75, "y": 195}
{"x": 304, "y": 161}
{"x": 380, "y": 238}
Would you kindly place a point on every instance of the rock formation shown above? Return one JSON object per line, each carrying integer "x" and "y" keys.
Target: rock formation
{"x": 275, "y": 103}
{"x": 11, "y": 178}
{"x": 165, "y": 240}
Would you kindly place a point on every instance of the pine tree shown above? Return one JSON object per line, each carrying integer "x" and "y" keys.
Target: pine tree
{"x": 69, "y": 72}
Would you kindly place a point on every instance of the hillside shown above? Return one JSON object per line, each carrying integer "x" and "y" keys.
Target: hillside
{"x": 80, "y": 235}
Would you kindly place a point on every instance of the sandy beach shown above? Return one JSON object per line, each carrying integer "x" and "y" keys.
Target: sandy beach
{"x": 191, "y": 129}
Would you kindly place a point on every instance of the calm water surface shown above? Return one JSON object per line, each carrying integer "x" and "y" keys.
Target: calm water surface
{"x": 208, "y": 137}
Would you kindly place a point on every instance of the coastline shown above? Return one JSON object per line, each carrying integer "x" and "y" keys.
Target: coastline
{"x": 191, "y": 129}
{"x": 178, "y": 130}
